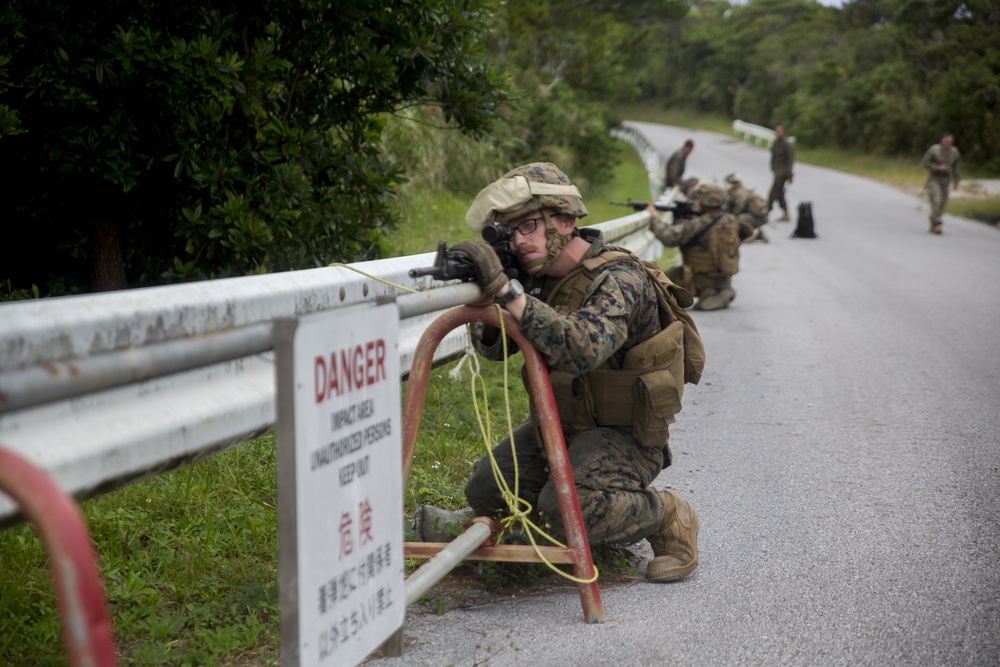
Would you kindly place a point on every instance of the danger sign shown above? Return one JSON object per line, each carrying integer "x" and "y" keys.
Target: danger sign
{"x": 340, "y": 484}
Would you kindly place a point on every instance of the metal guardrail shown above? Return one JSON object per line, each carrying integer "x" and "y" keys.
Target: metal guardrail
{"x": 103, "y": 390}
{"x": 763, "y": 136}
{"x": 647, "y": 152}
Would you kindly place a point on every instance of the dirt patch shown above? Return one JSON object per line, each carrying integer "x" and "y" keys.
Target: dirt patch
{"x": 977, "y": 188}
{"x": 466, "y": 588}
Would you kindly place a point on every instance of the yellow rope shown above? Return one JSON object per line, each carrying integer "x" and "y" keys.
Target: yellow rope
{"x": 518, "y": 508}
{"x": 338, "y": 265}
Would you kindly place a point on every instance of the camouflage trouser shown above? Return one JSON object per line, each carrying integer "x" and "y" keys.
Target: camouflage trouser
{"x": 612, "y": 474}
{"x": 937, "y": 192}
{"x": 777, "y": 192}
{"x": 714, "y": 291}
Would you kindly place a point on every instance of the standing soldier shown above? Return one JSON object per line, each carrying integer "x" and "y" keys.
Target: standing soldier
{"x": 676, "y": 165}
{"x": 747, "y": 206}
{"x": 941, "y": 163}
{"x": 782, "y": 162}
{"x": 710, "y": 246}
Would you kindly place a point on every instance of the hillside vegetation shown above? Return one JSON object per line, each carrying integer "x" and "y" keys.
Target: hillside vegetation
{"x": 146, "y": 144}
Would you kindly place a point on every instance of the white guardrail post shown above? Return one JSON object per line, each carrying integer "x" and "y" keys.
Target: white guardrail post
{"x": 125, "y": 385}
{"x": 762, "y": 136}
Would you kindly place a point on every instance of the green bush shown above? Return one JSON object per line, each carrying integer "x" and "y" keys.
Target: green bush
{"x": 194, "y": 139}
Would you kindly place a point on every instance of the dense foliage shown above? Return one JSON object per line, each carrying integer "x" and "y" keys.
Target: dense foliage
{"x": 887, "y": 76}
{"x": 147, "y": 141}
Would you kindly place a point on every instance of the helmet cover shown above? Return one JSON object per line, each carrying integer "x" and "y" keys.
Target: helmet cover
{"x": 709, "y": 195}
{"x": 526, "y": 189}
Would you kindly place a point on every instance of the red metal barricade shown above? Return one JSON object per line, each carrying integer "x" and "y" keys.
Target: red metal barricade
{"x": 577, "y": 551}
{"x": 86, "y": 624}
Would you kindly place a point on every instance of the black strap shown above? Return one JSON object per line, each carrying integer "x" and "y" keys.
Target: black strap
{"x": 705, "y": 229}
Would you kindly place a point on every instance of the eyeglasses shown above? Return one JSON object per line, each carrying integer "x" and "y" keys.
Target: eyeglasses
{"x": 526, "y": 227}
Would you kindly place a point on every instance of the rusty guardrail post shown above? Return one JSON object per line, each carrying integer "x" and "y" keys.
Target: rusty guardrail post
{"x": 577, "y": 551}
{"x": 86, "y": 624}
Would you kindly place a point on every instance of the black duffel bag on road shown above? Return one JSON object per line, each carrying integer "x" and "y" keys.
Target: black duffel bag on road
{"x": 806, "y": 228}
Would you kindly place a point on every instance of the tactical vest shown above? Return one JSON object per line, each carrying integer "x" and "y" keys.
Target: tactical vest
{"x": 717, "y": 250}
{"x": 646, "y": 393}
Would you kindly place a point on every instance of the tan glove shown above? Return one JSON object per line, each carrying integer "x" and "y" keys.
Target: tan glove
{"x": 489, "y": 271}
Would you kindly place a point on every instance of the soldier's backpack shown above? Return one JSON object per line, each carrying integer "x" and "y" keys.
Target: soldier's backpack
{"x": 724, "y": 243}
{"x": 806, "y": 228}
{"x": 673, "y": 302}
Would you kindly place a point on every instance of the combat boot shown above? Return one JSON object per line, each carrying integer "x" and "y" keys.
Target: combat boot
{"x": 675, "y": 543}
{"x": 936, "y": 229}
{"x": 433, "y": 524}
{"x": 716, "y": 301}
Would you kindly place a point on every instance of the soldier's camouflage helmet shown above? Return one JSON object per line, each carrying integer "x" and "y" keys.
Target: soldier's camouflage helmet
{"x": 526, "y": 189}
{"x": 688, "y": 184}
{"x": 733, "y": 179}
{"x": 709, "y": 195}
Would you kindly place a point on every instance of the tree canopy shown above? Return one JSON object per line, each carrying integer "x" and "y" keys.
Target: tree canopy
{"x": 147, "y": 141}
{"x": 887, "y": 76}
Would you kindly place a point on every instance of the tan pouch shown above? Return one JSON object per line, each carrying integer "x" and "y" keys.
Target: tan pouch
{"x": 682, "y": 275}
{"x": 657, "y": 400}
{"x": 657, "y": 393}
{"x": 573, "y": 401}
{"x": 664, "y": 350}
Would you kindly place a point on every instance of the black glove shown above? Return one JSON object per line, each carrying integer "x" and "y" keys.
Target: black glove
{"x": 489, "y": 272}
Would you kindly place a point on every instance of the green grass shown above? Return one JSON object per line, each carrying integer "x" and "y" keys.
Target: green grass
{"x": 430, "y": 216}
{"x": 189, "y": 564}
{"x": 654, "y": 113}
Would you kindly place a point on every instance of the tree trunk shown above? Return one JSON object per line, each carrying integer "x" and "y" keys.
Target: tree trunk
{"x": 107, "y": 261}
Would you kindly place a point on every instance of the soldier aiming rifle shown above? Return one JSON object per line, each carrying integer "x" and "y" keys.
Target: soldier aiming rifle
{"x": 619, "y": 347}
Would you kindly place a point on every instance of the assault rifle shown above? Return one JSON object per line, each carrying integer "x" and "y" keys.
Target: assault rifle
{"x": 457, "y": 265}
{"x": 680, "y": 209}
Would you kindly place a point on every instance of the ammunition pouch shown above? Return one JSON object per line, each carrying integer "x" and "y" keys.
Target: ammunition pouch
{"x": 645, "y": 395}
{"x": 574, "y": 401}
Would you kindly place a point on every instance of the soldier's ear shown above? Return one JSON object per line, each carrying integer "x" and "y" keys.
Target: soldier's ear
{"x": 564, "y": 223}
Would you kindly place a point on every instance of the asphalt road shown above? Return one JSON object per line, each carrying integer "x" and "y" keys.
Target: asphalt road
{"x": 842, "y": 450}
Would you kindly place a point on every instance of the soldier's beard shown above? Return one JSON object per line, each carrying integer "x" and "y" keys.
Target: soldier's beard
{"x": 526, "y": 250}
{"x": 554, "y": 243}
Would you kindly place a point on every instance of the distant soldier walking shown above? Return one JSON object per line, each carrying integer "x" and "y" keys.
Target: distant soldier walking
{"x": 782, "y": 162}
{"x": 941, "y": 163}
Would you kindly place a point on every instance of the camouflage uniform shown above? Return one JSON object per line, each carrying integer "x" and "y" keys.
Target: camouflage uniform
{"x": 612, "y": 472}
{"x": 675, "y": 168}
{"x": 619, "y": 347}
{"x": 938, "y": 178}
{"x": 712, "y": 256}
{"x": 748, "y": 206}
{"x": 782, "y": 163}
